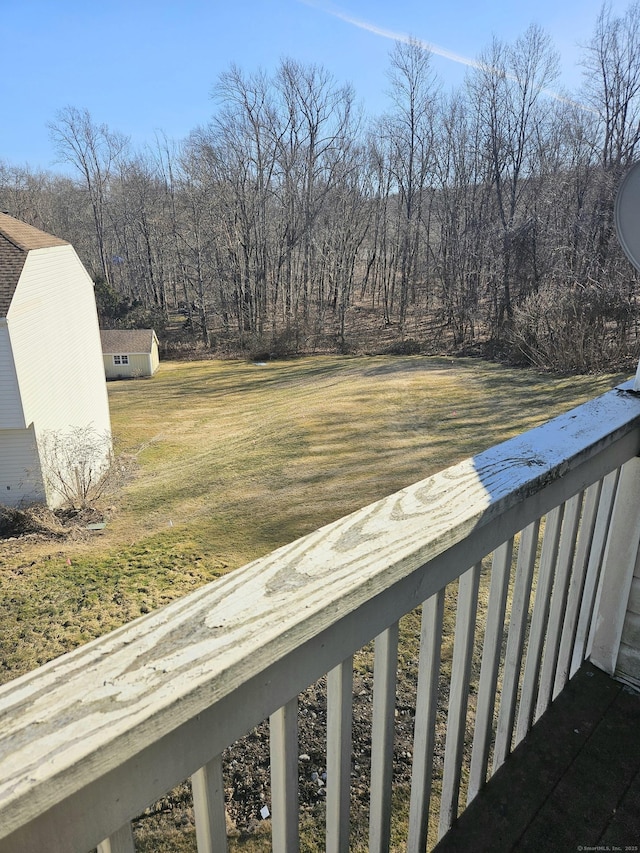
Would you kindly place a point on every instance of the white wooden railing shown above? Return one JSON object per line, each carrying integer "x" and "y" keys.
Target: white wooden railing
{"x": 88, "y": 741}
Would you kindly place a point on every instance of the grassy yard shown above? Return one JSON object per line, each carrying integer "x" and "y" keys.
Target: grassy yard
{"x": 234, "y": 459}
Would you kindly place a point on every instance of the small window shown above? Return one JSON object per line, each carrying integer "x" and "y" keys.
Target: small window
{"x": 121, "y": 359}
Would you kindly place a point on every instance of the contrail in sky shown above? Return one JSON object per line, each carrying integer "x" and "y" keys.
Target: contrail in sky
{"x": 390, "y": 34}
{"x": 432, "y": 48}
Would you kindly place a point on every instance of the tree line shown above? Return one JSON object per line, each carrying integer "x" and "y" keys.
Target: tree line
{"x": 480, "y": 219}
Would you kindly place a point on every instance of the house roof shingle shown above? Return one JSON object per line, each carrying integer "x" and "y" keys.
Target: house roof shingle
{"x": 16, "y": 240}
{"x": 126, "y": 341}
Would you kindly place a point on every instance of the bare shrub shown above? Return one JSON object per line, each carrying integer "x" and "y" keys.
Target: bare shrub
{"x": 573, "y": 329}
{"x": 276, "y": 345}
{"x": 80, "y": 466}
{"x": 409, "y": 346}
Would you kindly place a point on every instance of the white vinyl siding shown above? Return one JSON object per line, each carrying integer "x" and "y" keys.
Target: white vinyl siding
{"x": 52, "y": 343}
{"x": 20, "y": 477}
{"x": 155, "y": 356}
{"x": 11, "y": 413}
{"x": 53, "y": 327}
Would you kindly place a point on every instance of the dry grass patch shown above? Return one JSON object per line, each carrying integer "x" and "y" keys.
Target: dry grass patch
{"x": 235, "y": 459}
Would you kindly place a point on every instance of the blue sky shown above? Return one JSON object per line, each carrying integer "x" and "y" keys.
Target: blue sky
{"x": 143, "y": 66}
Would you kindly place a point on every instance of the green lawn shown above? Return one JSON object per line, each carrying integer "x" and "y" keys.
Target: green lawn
{"x": 238, "y": 459}
{"x": 235, "y": 459}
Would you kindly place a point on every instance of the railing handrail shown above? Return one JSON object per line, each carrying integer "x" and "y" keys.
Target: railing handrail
{"x": 161, "y": 696}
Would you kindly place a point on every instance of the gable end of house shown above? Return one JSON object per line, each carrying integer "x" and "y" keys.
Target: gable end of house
{"x": 17, "y": 239}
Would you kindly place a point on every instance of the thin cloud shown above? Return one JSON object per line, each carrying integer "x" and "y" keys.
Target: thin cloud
{"x": 428, "y": 46}
{"x": 394, "y": 36}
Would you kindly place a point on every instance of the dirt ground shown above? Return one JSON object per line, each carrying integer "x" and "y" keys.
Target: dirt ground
{"x": 246, "y": 766}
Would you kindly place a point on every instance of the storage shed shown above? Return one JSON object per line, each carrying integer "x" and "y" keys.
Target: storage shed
{"x": 51, "y": 375}
{"x": 129, "y": 353}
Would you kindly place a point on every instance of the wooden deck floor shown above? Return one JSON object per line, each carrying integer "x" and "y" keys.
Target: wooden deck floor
{"x": 573, "y": 784}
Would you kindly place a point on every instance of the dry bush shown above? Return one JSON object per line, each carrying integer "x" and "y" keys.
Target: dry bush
{"x": 573, "y": 329}
{"x": 80, "y": 466}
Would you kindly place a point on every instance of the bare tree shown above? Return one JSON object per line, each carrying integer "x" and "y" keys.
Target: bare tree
{"x": 612, "y": 83}
{"x": 94, "y": 150}
{"x": 462, "y": 211}
{"x": 242, "y": 158}
{"x": 410, "y": 129}
{"x": 509, "y": 86}
{"x": 319, "y": 131}
{"x": 612, "y": 89}
{"x": 140, "y": 223}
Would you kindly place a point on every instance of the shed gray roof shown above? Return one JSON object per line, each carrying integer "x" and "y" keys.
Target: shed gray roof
{"x": 126, "y": 341}
{"x": 17, "y": 239}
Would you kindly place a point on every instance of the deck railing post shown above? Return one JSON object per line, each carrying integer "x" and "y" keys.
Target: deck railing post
{"x": 120, "y": 842}
{"x": 208, "y": 804}
{"x": 606, "y": 500}
{"x": 382, "y": 733}
{"x": 466, "y": 615}
{"x": 621, "y": 554}
{"x": 487, "y": 684}
{"x": 339, "y": 749}
{"x": 425, "y": 723}
{"x": 283, "y": 728}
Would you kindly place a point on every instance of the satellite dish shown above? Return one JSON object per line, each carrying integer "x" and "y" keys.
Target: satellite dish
{"x": 627, "y": 215}
{"x": 627, "y": 219}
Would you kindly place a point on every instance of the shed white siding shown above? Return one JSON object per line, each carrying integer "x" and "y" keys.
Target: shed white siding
{"x": 20, "y": 474}
{"x": 155, "y": 355}
{"x": 59, "y": 370}
{"x": 11, "y": 412}
{"x": 137, "y": 364}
